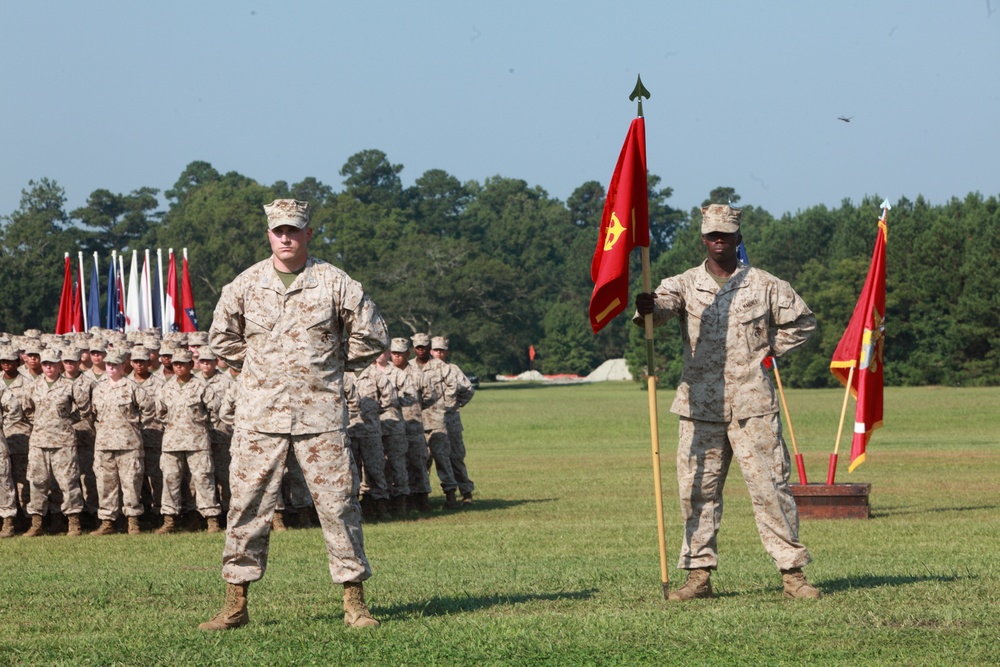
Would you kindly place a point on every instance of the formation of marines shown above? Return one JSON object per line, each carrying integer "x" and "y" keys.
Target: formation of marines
{"x": 110, "y": 432}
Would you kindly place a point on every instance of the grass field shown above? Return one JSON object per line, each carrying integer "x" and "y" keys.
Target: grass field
{"x": 557, "y": 562}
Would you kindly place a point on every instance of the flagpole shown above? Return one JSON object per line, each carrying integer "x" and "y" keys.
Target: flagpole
{"x": 654, "y": 429}
{"x": 831, "y": 472}
{"x": 799, "y": 463}
{"x": 159, "y": 270}
{"x": 83, "y": 292}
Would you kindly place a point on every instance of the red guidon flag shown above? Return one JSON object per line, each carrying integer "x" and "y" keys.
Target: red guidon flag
{"x": 624, "y": 226}
{"x": 861, "y": 348}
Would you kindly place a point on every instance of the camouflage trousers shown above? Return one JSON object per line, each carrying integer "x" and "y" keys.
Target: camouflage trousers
{"x": 88, "y": 480}
{"x": 458, "y": 468}
{"x": 49, "y": 468}
{"x": 119, "y": 483}
{"x": 397, "y": 477}
{"x": 152, "y": 483}
{"x": 199, "y": 466}
{"x": 220, "y": 462}
{"x": 416, "y": 461}
{"x": 704, "y": 452}
{"x": 369, "y": 451}
{"x": 258, "y": 460}
{"x": 8, "y": 501}
{"x": 294, "y": 491}
{"x": 17, "y": 445}
{"x": 440, "y": 445}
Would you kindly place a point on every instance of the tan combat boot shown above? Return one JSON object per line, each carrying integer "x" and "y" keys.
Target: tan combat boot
{"x": 698, "y": 585}
{"x": 234, "y": 614}
{"x": 73, "y": 525}
{"x": 213, "y": 525}
{"x": 796, "y": 585}
{"x": 106, "y": 528}
{"x": 278, "y": 522}
{"x": 8, "y": 527}
{"x": 36, "y": 526}
{"x": 450, "y": 501}
{"x": 133, "y": 525}
{"x": 169, "y": 525}
{"x": 356, "y": 614}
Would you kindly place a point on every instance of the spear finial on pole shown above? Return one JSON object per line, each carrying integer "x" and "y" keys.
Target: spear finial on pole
{"x": 640, "y": 92}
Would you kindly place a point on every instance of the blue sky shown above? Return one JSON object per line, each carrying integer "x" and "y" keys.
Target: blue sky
{"x": 121, "y": 95}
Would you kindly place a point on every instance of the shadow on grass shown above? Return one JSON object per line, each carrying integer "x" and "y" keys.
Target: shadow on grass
{"x": 444, "y": 606}
{"x": 884, "y": 512}
{"x": 480, "y": 505}
{"x": 878, "y": 581}
{"x": 497, "y": 386}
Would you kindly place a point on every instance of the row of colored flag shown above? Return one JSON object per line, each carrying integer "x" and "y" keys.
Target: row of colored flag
{"x": 136, "y": 301}
{"x": 857, "y": 361}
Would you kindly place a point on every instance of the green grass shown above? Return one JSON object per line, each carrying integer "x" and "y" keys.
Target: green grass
{"x": 557, "y": 563}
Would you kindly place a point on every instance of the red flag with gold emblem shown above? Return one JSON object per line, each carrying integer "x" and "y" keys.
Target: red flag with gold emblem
{"x": 861, "y": 348}
{"x": 624, "y": 226}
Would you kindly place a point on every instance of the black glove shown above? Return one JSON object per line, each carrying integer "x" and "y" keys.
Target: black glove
{"x": 645, "y": 303}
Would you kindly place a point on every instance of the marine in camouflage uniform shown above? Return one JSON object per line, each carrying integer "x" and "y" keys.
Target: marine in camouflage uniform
{"x": 150, "y": 427}
{"x": 18, "y": 431}
{"x": 52, "y": 457}
{"x": 732, "y": 316}
{"x": 462, "y": 393}
{"x": 375, "y": 395}
{"x": 435, "y": 428}
{"x": 83, "y": 427}
{"x": 10, "y": 413}
{"x": 121, "y": 406}
{"x": 292, "y": 325}
{"x": 219, "y": 432}
{"x": 394, "y": 440}
{"x": 184, "y": 406}
{"x": 416, "y": 451}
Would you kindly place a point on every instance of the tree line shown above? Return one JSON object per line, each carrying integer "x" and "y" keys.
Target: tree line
{"x": 500, "y": 265}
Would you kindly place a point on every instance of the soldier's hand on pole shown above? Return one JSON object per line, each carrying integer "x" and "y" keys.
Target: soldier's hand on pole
{"x": 644, "y": 303}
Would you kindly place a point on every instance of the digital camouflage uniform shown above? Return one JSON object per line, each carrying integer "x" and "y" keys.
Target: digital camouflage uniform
{"x": 416, "y": 452}
{"x": 151, "y": 429}
{"x": 83, "y": 427}
{"x": 375, "y": 395}
{"x": 435, "y": 427}
{"x": 728, "y": 405}
{"x": 18, "y": 434}
{"x": 394, "y": 439}
{"x": 52, "y": 456}
{"x": 462, "y": 392}
{"x": 184, "y": 409}
{"x": 10, "y": 413}
{"x": 119, "y": 410}
{"x": 292, "y": 347}
{"x": 220, "y": 433}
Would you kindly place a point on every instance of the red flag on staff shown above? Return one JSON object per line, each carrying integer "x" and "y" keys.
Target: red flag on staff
{"x": 76, "y": 325}
{"x": 624, "y": 226}
{"x": 172, "y": 304}
{"x": 189, "y": 321}
{"x": 64, "y": 320}
{"x": 860, "y": 348}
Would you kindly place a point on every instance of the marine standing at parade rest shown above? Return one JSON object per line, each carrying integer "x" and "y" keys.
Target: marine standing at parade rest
{"x": 18, "y": 431}
{"x": 120, "y": 408}
{"x": 150, "y": 427}
{"x": 732, "y": 317}
{"x": 83, "y": 427}
{"x": 10, "y": 413}
{"x": 461, "y": 393}
{"x": 416, "y": 450}
{"x": 394, "y": 440}
{"x": 293, "y": 324}
{"x": 52, "y": 458}
{"x": 435, "y": 426}
{"x": 184, "y": 407}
